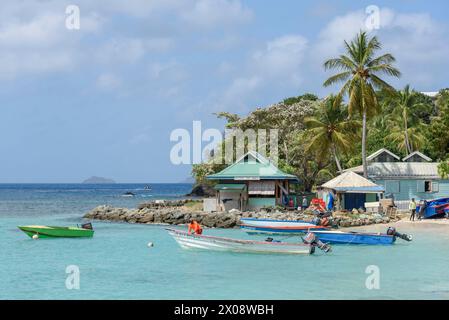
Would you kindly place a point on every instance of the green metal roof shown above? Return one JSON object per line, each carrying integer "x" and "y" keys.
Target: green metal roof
{"x": 252, "y": 166}
{"x": 229, "y": 186}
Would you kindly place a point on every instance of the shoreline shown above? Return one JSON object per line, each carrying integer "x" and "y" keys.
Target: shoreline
{"x": 180, "y": 212}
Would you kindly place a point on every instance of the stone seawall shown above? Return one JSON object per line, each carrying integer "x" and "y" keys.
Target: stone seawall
{"x": 179, "y": 214}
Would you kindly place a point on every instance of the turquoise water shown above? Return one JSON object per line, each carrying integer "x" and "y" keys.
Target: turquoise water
{"x": 118, "y": 264}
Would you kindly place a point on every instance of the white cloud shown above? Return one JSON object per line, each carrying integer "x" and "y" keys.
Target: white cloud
{"x": 281, "y": 56}
{"x": 42, "y": 31}
{"x": 116, "y": 50}
{"x": 277, "y": 66}
{"x": 415, "y": 39}
{"x": 209, "y": 13}
{"x": 40, "y": 43}
{"x": 108, "y": 81}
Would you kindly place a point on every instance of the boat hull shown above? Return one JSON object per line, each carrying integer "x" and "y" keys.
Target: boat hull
{"x": 56, "y": 232}
{"x": 277, "y": 231}
{"x": 190, "y": 241}
{"x": 252, "y": 222}
{"x": 435, "y": 208}
{"x": 339, "y": 237}
{"x": 270, "y": 226}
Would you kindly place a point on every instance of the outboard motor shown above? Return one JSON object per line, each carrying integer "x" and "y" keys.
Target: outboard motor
{"x": 392, "y": 232}
{"x": 311, "y": 239}
{"x": 316, "y": 221}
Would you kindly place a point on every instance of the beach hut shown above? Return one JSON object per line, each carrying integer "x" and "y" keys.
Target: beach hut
{"x": 414, "y": 176}
{"x": 252, "y": 182}
{"x": 351, "y": 190}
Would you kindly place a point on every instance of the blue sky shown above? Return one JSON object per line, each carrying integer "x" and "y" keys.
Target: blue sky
{"x": 103, "y": 100}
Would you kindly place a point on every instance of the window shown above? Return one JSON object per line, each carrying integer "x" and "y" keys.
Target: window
{"x": 427, "y": 186}
{"x": 435, "y": 186}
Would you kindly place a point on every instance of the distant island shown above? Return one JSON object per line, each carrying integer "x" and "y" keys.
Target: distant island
{"x": 98, "y": 180}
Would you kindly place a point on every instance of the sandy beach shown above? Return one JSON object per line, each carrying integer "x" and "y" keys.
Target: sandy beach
{"x": 432, "y": 226}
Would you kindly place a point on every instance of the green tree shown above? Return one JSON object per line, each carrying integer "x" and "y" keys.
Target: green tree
{"x": 404, "y": 103}
{"x": 443, "y": 169}
{"x": 437, "y": 131}
{"x": 330, "y": 130}
{"x": 360, "y": 71}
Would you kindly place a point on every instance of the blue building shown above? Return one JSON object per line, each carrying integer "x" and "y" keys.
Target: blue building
{"x": 414, "y": 176}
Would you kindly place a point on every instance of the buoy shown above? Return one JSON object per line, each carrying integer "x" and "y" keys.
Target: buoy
{"x": 35, "y": 236}
{"x": 150, "y": 244}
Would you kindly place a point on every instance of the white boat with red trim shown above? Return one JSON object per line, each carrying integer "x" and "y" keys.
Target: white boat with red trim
{"x": 194, "y": 241}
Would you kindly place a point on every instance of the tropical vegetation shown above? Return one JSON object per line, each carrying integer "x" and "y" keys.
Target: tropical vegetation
{"x": 319, "y": 137}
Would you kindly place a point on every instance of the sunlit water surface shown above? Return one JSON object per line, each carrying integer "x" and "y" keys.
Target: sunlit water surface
{"x": 117, "y": 263}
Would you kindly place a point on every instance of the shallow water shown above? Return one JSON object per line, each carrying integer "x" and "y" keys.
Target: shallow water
{"x": 117, "y": 263}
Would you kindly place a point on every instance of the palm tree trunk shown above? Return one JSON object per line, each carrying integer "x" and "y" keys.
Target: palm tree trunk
{"x": 286, "y": 153}
{"x": 407, "y": 140}
{"x": 365, "y": 167}
{"x": 337, "y": 161}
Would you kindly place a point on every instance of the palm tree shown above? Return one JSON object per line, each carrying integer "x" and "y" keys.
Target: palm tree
{"x": 406, "y": 138}
{"x": 403, "y": 103}
{"x": 331, "y": 130}
{"x": 360, "y": 72}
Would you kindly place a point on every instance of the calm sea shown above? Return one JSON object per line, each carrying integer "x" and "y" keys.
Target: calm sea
{"x": 117, "y": 263}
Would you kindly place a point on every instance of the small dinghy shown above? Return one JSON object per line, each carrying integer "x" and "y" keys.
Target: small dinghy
{"x": 194, "y": 241}
{"x": 58, "y": 232}
{"x": 128, "y": 194}
{"x": 341, "y": 237}
{"x": 271, "y": 226}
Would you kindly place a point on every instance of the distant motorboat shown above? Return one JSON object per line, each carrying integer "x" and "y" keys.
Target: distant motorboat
{"x": 35, "y": 231}
{"x": 128, "y": 194}
{"x": 147, "y": 187}
{"x": 194, "y": 241}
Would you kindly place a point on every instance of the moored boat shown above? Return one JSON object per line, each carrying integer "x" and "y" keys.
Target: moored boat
{"x": 348, "y": 237}
{"x": 435, "y": 208}
{"x": 35, "y": 231}
{"x": 271, "y": 226}
{"x": 194, "y": 241}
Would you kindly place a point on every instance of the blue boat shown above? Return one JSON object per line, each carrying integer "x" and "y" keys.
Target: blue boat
{"x": 435, "y": 208}
{"x": 341, "y": 237}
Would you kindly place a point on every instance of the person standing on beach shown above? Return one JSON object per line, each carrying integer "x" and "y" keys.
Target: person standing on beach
{"x": 304, "y": 203}
{"x": 422, "y": 209}
{"x": 412, "y": 207}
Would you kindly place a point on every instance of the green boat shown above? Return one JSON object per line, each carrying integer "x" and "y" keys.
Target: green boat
{"x": 58, "y": 232}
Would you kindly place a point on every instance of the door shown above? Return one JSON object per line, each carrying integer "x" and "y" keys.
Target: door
{"x": 354, "y": 200}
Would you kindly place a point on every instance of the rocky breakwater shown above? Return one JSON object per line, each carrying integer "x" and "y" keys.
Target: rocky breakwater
{"x": 167, "y": 212}
{"x": 182, "y": 211}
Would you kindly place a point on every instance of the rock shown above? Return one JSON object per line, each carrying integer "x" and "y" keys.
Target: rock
{"x": 202, "y": 190}
{"x": 147, "y": 217}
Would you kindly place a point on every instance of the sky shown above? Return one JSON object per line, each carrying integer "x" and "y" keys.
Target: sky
{"x": 103, "y": 99}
